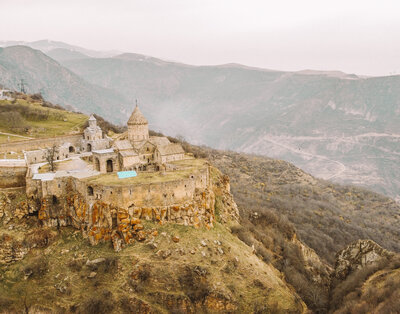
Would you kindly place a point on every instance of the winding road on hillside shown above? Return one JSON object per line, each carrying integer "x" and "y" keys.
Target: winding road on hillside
{"x": 341, "y": 165}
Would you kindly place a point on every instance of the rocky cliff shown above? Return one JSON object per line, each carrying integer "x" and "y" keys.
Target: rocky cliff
{"x": 173, "y": 268}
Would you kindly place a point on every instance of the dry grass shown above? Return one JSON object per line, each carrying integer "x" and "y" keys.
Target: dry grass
{"x": 40, "y": 121}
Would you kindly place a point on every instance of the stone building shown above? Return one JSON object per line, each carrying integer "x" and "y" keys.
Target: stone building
{"x": 93, "y": 137}
{"x": 104, "y": 207}
{"x": 136, "y": 150}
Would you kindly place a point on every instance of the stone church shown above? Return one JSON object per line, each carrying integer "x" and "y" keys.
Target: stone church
{"x": 132, "y": 150}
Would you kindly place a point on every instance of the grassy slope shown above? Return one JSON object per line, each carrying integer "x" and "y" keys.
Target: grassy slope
{"x": 59, "y": 122}
{"x": 372, "y": 289}
{"x": 159, "y": 274}
{"x": 238, "y": 274}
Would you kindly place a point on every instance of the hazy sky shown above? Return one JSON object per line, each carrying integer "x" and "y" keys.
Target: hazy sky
{"x": 355, "y": 36}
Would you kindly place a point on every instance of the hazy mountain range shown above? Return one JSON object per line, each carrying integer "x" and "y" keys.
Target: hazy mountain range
{"x": 337, "y": 126}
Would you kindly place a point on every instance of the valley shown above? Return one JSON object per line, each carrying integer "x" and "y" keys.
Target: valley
{"x": 334, "y": 125}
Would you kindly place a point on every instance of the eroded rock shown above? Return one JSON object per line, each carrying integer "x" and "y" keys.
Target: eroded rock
{"x": 357, "y": 255}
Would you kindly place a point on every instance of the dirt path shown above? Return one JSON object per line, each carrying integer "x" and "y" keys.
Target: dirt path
{"x": 16, "y": 135}
{"x": 338, "y": 173}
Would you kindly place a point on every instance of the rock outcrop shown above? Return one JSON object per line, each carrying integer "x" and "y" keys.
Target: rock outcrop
{"x": 358, "y": 255}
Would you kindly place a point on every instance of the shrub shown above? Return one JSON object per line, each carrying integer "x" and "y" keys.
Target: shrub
{"x": 98, "y": 304}
{"x": 194, "y": 283}
{"x": 37, "y": 267}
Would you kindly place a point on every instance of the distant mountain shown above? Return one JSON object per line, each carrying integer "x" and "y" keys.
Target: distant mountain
{"x": 335, "y": 125}
{"x": 61, "y": 54}
{"x": 56, "y": 83}
{"x": 49, "y": 45}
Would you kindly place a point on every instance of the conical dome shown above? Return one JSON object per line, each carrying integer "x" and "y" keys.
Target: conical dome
{"x": 137, "y": 117}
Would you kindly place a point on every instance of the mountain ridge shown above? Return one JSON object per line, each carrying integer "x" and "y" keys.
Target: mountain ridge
{"x": 42, "y": 74}
{"x": 322, "y": 121}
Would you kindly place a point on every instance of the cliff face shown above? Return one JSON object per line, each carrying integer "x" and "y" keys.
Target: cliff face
{"x": 100, "y": 221}
{"x": 173, "y": 268}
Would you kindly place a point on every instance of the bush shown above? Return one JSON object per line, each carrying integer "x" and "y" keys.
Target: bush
{"x": 194, "y": 282}
{"x": 98, "y": 304}
{"x": 144, "y": 273}
{"x": 40, "y": 238}
{"x": 76, "y": 264}
{"x": 37, "y": 267}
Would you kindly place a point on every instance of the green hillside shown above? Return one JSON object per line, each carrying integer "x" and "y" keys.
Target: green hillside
{"x": 31, "y": 117}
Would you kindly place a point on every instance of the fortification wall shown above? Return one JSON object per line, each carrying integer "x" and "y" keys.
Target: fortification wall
{"x": 125, "y": 196}
{"x": 115, "y": 212}
{"x": 39, "y": 143}
{"x": 12, "y": 176}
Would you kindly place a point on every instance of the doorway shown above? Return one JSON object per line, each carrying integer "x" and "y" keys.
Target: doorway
{"x": 110, "y": 167}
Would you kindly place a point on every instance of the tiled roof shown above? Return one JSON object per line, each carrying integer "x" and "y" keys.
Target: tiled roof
{"x": 123, "y": 145}
{"x": 159, "y": 140}
{"x": 170, "y": 149}
{"x": 137, "y": 117}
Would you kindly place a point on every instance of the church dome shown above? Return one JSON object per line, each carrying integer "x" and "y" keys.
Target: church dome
{"x": 137, "y": 117}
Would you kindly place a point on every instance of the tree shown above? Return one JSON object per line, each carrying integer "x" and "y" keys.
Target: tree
{"x": 51, "y": 156}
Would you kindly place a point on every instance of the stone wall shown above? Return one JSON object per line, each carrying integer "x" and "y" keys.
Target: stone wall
{"x": 174, "y": 157}
{"x": 116, "y": 212}
{"x": 155, "y": 194}
{"x": 12, "y": 176}
{"x": 38, "y": 156}
{"x": 138, "y": 132}
{"x": 39, "y": 143}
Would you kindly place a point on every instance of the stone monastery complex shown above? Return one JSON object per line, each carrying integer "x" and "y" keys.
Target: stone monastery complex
{"x": 84, "y": 190}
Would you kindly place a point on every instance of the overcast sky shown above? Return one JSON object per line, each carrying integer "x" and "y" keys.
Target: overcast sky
{"x": 355, "y": 36}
